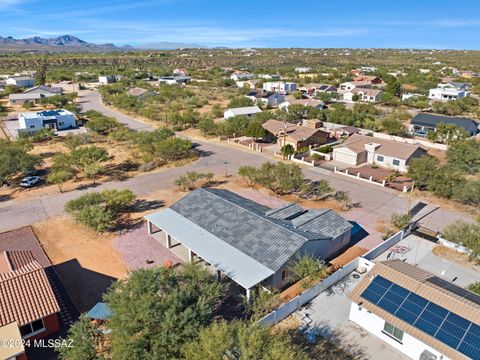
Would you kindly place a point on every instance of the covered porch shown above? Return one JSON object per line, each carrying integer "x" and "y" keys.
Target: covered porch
{"x": 192, "y": 243}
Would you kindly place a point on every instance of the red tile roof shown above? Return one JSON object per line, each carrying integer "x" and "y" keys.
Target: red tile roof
{"x": 25, "y": 292}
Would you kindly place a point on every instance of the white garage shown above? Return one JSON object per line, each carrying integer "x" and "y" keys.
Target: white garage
{"x": 348, "y": 156}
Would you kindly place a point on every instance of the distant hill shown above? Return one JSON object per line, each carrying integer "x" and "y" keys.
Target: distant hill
{"x": 165, "y": 45}
{"x": 64, "y": 43}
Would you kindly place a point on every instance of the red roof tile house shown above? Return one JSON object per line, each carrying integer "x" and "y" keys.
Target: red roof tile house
{"x": 26, "y": 296}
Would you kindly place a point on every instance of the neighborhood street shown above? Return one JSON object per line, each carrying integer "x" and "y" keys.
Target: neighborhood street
{"x": 373, "y": 200}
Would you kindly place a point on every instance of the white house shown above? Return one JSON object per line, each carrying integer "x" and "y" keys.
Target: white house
{"x": 350, "y": 85}
{"x": 21, "y": 81}
{"x": 172, "y": 80}
{"x": 303, "y": 69}
{"x": 359, "y": 149}
{"x": 266, "y": 97}
{"x": 317, "y": 104}
{"x": 406, "y": 96}
{"x": 363, "y": 95}
{"x": 108, "y": 79}
{"x": 60, "y": 119}
{"x": 34, "y": 94}
{"x": 238, "y": 76}
{"x": 242, "y": 111}
{"x": 421, "y": 315}
{"x": 280, "y": 86}
{"x": 449, "y": 91}
{"x": 180, "y": 71}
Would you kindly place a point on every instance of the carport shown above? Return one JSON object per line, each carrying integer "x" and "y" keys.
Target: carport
{"x": 167, "y": 225}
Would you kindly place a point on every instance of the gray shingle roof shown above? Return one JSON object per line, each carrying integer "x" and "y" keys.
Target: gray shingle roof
{"x": 433, "y": 120}
{"x": 269, "y": 237}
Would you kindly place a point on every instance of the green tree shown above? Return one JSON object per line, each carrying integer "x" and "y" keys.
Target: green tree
{"x": 240, "y": 101}
{"x": 82, "y": 335}
{"x": 422, "y": 169}
{"x": 287, "y": 151}
{"x": 307, "y": 269}
{"x": 464, "y": 155}
{"x": 315, "y": 190}
{"x": 192, "y": 180}
{"x": 466, "y": 234}
{"x": 41, "y": 75}
{"x": 393, "y": 126}
{"x": 87, "y": 160}
{"x": 155, "y": 312}
{"x": 343, "y": 197}
{"x": 474, "y": 287}
{"x": 400, "y": 221}
{"x": 242, "y": 341}
{"x": 249, "y": 174}
{"x": 59, "y": 177}
{"x": 14, "y": 159}
{"x": 207, "y": 126}
{"x": 255, "y": 130}
{"x": 99, "y": 123}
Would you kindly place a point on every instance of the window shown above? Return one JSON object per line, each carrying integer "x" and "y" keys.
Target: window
{"x": 396, "y": 162}
{"x": 32, "y": 328}
{"x": 61, "y": 123}
{"x": 380, "y": 158}
{"x": 284, "y": 274}
{"x": 393, "y": 331}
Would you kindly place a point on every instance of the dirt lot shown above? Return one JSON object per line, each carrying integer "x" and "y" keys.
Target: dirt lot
{"x": 86, "y": 262}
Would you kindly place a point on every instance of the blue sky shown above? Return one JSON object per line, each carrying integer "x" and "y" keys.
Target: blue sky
{"x": 251, "y": 23}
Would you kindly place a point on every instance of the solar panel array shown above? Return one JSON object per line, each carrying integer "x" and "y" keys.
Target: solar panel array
{"x": 445, "y": 326}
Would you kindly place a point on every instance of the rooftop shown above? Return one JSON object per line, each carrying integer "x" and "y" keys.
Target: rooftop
{"x": 295, "y": 132}
{"x": 245, "y": 110}
{"x": 432, "y": 120}
{"x": 391, "y": 148}
{"x": 25, "y": 291}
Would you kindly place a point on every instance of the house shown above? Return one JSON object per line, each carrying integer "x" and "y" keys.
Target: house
{"x": 469, "y": 74}
{"x": 59, "y": 119}
{"x": 180, "y": 71}
{"x": 296, "y": 135}
{"x": 317, "y": 104}
{"x": 108, "y": 79}
{"x": 140, "y": 92}
{"x": 247, "y": 84}
{"x": 250, "y": 243}
{"x": 280, "y": 86}
{"x": 346, "y": 131}
{"x": 242, "y": 111}
{"x": 34, "y": 94}
{"x": 422, "y": 123}
{"x": 449, "y": 91}
{"x": 26, "y": 296}
{"x": 359, "y": 149}
{"x": 303, "y": 69}
{"x": 373, "y": 80}
{"x": 363, "y": 95}
{"x": 241, "y": 75}
{"x": 420, "y": 314}
{"x": 406, "y": 96}
{"x": 21, "y": 81}
{"x": 266, "y": 97}
{"x": 350, "y": 85}
{"x": 316, "y": 89}
{"x": 177, "y": 79}
{"x": 269, "y": 77}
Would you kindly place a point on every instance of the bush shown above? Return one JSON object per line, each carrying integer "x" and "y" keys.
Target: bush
{"x": 100, "y": 211}
{"x": 192, "y": 180}
{"x": 100, "y": 123}
{"x": 400, "y": 221}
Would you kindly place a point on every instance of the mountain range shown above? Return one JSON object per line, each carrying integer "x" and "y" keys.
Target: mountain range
{"x": 69, "y": 43}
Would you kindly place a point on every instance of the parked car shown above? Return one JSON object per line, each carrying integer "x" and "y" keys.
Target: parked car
{"x": 30, "y": 181}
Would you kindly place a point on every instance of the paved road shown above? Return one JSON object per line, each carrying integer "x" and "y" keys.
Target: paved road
{"x": 376, "y": 202}
{"x": 93, "y": 101}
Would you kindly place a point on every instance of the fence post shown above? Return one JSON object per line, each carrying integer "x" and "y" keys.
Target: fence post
{"x": 358, "y": 175}
{"x": 346, "y": 171}
{"x": 383, "y": 182}
{"x": 371, "y": 178}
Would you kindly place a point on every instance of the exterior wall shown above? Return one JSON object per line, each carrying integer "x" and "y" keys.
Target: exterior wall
{"x": 21, "y": 357}
{"x": 68, "y": 121}
{"x": 347, "y": 156}
{"x": 35, "y": 124}
{"x": 387, "y": 162}
{"x": 21, "y": 83}
{"x": 445, "y": 94}
{"x": 51, "y": 326}
{"x": 410, "y": 346}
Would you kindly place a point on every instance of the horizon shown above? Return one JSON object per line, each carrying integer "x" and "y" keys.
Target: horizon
{"x": 214, "y": 24}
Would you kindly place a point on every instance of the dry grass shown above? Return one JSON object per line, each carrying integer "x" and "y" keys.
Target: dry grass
{"x": 453, "y": 255}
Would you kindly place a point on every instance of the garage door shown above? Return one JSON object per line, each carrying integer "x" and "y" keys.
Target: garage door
{"x": 346, "y": 157}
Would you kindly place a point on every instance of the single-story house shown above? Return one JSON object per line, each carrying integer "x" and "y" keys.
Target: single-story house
{"x": 172, "y": 80}
{"x": 359, "y": 149}
{"x": 350, "y": 85}
{"x": 363, "y": 95}
{"x": 241, "y": 111}
{"x": 280, "y": 86}
{"x": 296, "y": 135}
{"x": 303, "y": 69}
{"x": 140, "y": 92}
{"x": 180, "y": 71}
{"x": 26, "y": 296}
{"x": 21, "y": 81}
{"x": 419, "y": 314}
{"x": 59, "y": 119}
{"x": 108, "y": 79}
{"x": 317, "y": 104}
{"x": 266, "y": 97}
{"x": 422, "y": 123}
{"x": 248, "y": 242}
{"x": 241, "y": 75}
{"x": 373, "y": 80}
{"x": 315, "y": 89}
{"x": 248, "y": 84}
{"x": 34, "y": 94}
{"x": 346, "y": 131}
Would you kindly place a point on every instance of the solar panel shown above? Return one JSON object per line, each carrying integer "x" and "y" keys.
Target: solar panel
{"x": 436, "y": 321}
